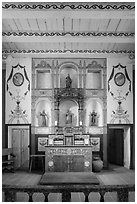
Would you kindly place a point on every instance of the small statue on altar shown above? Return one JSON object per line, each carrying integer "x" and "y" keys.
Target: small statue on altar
{"x": 93, "y": 118}
{"x": 68, "y": 117}
{"x": 44, "y": 118}
{"x": 68, "y": 81}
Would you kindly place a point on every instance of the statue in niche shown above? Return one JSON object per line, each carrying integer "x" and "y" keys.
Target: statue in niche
{"x": 93, "y": 118}
{"x": 68, "y": 81}
{"x": 44, "y": 118}
{"x": 68, "y": 117}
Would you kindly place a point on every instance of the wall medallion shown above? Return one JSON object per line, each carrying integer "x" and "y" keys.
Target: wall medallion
{"x": 119, "y": 79}
{"x": 18, "y": 79}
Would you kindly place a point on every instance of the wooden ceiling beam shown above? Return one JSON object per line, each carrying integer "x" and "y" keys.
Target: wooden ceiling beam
{"x": 80, "y": 39}
{"x": 23, "y": 14}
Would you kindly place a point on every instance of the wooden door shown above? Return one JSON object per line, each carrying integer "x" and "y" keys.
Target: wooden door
{"x": 24, "y": 148}
{"x": 16, "y": 146}
{"x": 20, "y": 142}
{"x": 116, "y": 146}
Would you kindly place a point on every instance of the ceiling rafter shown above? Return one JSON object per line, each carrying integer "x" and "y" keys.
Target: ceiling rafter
{"x": 83, "y": 34}
{"x": 71, "y": 6}
{"x": 67, "y": 50}
{"x": 52, "y": 39}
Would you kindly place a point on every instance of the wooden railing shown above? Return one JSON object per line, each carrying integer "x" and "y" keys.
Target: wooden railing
{"x": 121, "y": 190}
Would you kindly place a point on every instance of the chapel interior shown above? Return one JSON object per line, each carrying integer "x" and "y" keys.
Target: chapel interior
{"x": 68, "y": 91}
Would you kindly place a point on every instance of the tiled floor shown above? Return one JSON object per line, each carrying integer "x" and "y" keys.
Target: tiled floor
{"x": 115, "y": 175}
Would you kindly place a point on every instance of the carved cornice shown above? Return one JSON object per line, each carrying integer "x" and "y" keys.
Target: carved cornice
{"x": 68, "y": 51}
{"x": 74, "y": 34}
{"x": 71, "y": 6}
{"x": 63, "y": 93}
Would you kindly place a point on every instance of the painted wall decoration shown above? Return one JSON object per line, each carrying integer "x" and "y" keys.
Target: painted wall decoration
{"x": 95, "y": 143}
{"x": 120, "y": 95}
{"x": 18, "y": 91}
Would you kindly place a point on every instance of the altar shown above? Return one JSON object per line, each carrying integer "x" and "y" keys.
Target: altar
{"x": 68, "y": 159}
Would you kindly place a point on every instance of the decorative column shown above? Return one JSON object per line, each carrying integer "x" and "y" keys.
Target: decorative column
{"x": 84, "y": 75}
{"x": 56, "y": 112}
{"x": 83, "y": 117}
{"x": 57, "y": 75}
{"x": 80, "y": 111}
{"x": 105, "y": 117}
{"x": 52, "y": 98}
{"x": 33, "y": 103}
{"x": 80, "y": 75}
{"x": 32, "y": 140}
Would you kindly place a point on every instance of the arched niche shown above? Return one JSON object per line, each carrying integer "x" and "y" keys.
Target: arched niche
{"x": 66, "y": 105}
{"x": 71, "y": 69}
{"x": 43, "y": 105}
{"x": 97, "y": 106}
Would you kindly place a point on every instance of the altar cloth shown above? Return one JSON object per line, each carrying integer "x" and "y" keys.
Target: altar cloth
{"x": 67, "y": 178}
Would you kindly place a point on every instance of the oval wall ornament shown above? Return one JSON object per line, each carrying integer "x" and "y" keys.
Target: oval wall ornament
{"x": 119, "y": 79}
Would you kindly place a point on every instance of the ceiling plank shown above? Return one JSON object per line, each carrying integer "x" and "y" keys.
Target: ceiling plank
{"x": 94, "y": 25}
{"x": 33, "y": 24}
{"x": 6, "y": 25}
{"x": 75, "y": 25}
{"x": 103, "y": 25}
{"x": 18, "y": 23}
{"x": 12, "y": 24}
{"x": 113, "y": 23}
{"x": 60, "y": 24}
{"x": 41, "y": 25}
{"x": 67, "y": 22}
{"x": 25, "y": 25}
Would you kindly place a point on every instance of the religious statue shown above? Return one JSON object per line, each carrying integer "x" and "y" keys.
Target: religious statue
{"x": 44, "y": 118}
{"x": 93, "y": 118}
{"x": 68, "y": 117}
{"x": 68, "y": 81}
